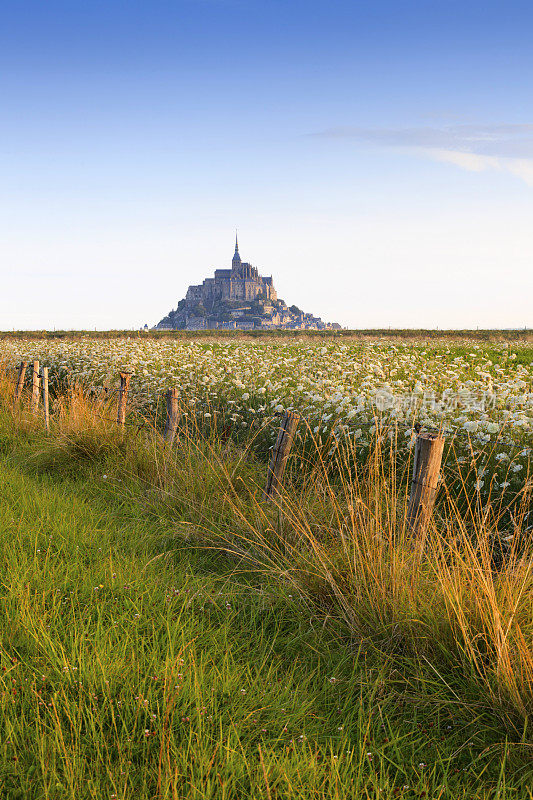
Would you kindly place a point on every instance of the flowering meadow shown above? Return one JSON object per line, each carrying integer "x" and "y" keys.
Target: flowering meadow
{"x": 169, "y": 633}
{"x": 480, "y": 394}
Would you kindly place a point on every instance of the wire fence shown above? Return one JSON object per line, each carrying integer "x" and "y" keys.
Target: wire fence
{"x": 380, "y": 427}
{"x": 380, "y": 424}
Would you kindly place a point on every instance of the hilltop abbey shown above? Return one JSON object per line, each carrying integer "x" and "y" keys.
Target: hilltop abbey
{"x": 241, "y": 282}
{"x": 238, "y": 298}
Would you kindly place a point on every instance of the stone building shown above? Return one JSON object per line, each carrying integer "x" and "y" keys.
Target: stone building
{"x": 241, "y": 282}
{"x": 237, "y": 298}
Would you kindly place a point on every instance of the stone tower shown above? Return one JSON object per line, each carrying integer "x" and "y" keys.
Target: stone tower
{"x": 236, "y": 260}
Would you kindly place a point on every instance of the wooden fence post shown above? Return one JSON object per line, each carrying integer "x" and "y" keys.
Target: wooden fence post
{"x": 46, "y": 404}
{"x": 20, "y": 381}
{"x": 35, "y": 388}
{"x": 280, "y": 454}
{"x": 426, "y": 470}
{"x": 125, "y": 378}
{"x": 171, "y": 423}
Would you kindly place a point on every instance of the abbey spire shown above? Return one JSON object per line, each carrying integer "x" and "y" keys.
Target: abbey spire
{"x": 236, "y": 260}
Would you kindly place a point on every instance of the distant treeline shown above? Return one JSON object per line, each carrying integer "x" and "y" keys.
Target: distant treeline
{"x": 491, "y": 335}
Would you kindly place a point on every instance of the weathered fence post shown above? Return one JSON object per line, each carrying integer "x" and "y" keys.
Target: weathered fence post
{"x": 46, "y": 404}
{"x": 171, "y": 423}
{"x": 426, "y": 470}
{"x": 35, "y": 388}
{"x": 20, "y": 381}
{"x": 280, "y": 454}
{"x": 125, "y": 378}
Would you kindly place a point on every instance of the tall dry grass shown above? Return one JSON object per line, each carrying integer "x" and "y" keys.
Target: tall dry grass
{"x": 454, "y": 605}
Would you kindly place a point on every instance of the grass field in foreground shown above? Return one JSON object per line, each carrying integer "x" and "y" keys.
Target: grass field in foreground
{"x": 132, "y": 670}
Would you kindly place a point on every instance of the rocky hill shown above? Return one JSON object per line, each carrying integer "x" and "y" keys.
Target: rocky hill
{"x": 238, "y": 298}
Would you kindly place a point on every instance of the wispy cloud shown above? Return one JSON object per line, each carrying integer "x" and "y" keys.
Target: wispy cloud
{"x": 476, "y": 148}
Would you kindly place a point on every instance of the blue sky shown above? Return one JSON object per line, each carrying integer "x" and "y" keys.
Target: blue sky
{"x": 377, "y": 158}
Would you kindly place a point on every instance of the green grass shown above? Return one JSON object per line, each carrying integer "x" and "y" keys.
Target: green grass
{"x": 136, "y": 664}
{"x": 423, "y": 334}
